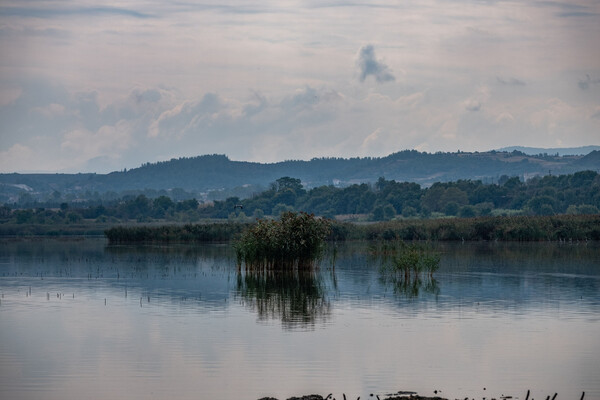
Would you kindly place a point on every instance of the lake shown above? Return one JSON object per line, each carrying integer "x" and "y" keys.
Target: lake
{"x": 83, "y": 320}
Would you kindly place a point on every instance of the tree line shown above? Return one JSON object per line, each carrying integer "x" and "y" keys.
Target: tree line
{"x": 385, "y": 200}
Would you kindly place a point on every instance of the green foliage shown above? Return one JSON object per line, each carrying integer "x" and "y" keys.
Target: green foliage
{"x": 295, "y": 241}
{"x": 405, "y": 265}
{"x": 451, "y": 208}
{"x": 504, "y": 228}
{"x": 409, "y": 212}
{"x": 576, "y": 194}
{"x": 189, "y": 233}
{"x": 467, "y": 212}
{"x": 582, "y": 209}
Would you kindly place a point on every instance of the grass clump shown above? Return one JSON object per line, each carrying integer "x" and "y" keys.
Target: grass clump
{"x": 410, "y": 260}
{"x": 295, "y": 241}
{"x": 407, "y": 267}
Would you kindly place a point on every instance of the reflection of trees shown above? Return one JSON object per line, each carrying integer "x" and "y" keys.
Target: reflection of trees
{"x": 298, "y": 298}
{"x": 411, "y": 287}
{"x": 521, "y": 257}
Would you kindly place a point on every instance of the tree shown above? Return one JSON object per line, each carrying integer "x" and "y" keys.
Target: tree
{"x": 484, "y": 208}
{"x": 161, "y": 205}
{"x": 281, "y": 208}
{"x": 541, "y": 205}
{"x": 388, "y": 212}
{"x": 467, "y": 212}
{"x": 258, "y": 213}
{"x": 286, "y": 196}
{"x": 286, "y": 182}
{"x": 453, "y": 194}
{"x": 378, "y": 214}
{"x": 409, "y": 211}
{"x": 451, "y": 208}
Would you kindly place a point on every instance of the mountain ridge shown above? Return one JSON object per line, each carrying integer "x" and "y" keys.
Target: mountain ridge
{"x": 205, "y": 173}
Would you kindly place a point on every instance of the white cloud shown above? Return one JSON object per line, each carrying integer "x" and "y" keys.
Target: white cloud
{"x": 51, "y": 110}
{"x": 9, "y": 95}
{"x": 17, "y": 157}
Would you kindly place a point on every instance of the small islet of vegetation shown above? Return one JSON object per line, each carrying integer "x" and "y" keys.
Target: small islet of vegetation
{"x": 295, "y": 241}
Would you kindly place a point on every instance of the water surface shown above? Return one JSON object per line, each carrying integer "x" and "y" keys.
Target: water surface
{"x": 80, "y": 319}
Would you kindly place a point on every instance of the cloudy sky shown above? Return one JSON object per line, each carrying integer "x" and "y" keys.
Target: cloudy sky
{"x": 92, "y": 85}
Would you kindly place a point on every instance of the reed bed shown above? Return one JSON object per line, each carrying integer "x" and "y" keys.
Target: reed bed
{"x": 295, "y": 241}
{"x": 513, "y": 228}
{"x": 189, "y": 233}
{"x": 406, "y": 261}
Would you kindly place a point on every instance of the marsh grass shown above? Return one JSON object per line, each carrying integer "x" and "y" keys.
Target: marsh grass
{"x": 295, "y": 241}
{"x": 407, "y": 267}
{"x": 408, "y": 259}
{"x": 512, "y": 228}
{"x": 188, "y": 233}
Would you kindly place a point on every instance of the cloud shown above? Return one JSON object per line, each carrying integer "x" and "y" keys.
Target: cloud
{"x": 55, "y": 11}
{"x": 309, "y": 97}
{"x": 17, "y": 157}
{"x": 252, "y": 109}
{"x": 373, "y": 142}
{"x": 186, "y": 117}
{"x": 32, "y": 32}
{"x": 85, "y": 145}
{"x": 148, "y": 95}
{"x": 510, "y": 81}
{"x": 587, "y": 82}
{"x": 475, "y": 102}
{"x": 368, "y": 65}
{"x": 473, "y": 105}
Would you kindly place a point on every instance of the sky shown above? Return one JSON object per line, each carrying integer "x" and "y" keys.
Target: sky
{"x": 98, "y": 86}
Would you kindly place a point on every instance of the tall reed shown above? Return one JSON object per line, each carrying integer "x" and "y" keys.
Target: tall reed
{"x": 296, "y": 240}
{"x": 407, "y": 259}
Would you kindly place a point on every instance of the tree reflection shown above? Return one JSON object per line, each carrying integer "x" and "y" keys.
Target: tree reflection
{"x": 409, "y": 288}
{"x": 298, "y": 298}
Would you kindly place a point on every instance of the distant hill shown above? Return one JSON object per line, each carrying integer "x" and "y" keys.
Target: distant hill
{"x": 199, "y": 175}
{"x": 561, "y": 151}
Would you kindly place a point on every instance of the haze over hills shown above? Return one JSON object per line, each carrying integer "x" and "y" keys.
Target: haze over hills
{"x": 202, "y": 174}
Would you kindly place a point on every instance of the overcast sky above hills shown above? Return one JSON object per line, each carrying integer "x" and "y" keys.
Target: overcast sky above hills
{"x": 91, "y": 85}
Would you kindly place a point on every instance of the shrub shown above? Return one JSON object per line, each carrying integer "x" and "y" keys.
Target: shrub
{"x": 296, "y": 240}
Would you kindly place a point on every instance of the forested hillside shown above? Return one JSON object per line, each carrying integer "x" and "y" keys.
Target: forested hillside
{"x": 216, "y": 176}
{"x": 384, "y": 200}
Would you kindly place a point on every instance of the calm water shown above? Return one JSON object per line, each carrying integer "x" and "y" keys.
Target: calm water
{"x": 80, "y": 320}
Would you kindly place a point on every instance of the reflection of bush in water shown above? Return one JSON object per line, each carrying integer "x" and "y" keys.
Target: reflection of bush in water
{"x": 296, "y": 297}
{"x": 410, "y": 288}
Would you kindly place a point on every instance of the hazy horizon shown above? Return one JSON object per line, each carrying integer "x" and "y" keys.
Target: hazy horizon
{"x": 527, "y": 150}
{"x": 89, "y": 86}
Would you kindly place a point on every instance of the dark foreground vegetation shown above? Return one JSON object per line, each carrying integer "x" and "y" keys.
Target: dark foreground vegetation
{"x": 406, "y": 396}
{"x": 516, "y": 228}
